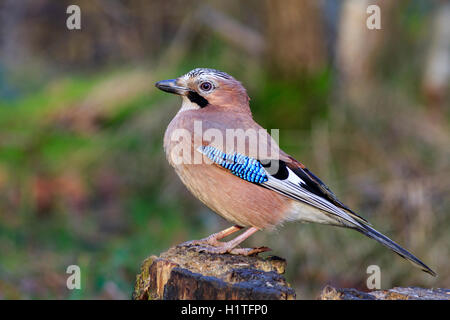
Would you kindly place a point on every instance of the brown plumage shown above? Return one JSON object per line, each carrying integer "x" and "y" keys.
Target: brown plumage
{"x": 245, "y": 177}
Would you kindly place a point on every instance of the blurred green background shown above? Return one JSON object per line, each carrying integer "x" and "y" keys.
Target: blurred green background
{"x": 83, "y": 177}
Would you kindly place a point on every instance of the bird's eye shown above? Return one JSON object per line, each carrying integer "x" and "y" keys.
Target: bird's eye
{"x": 206, "y": 86}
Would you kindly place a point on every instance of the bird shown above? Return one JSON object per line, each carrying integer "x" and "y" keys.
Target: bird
{"x": 249, "y": 181}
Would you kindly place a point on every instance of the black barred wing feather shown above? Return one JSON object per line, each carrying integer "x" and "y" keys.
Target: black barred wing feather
{"x": 240, "y": 165}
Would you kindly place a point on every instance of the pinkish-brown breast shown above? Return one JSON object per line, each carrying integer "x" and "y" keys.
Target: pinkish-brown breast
{"x": 241, "y": 202}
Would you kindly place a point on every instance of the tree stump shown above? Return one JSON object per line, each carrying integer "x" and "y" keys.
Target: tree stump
{"x": 409, "y": 293}
{"x": 186, "y": 273}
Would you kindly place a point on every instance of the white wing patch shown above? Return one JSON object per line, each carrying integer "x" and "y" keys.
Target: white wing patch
{"x": 294, "y": 179}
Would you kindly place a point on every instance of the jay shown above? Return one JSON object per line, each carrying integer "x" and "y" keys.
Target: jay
{"x": 231, "y": 164}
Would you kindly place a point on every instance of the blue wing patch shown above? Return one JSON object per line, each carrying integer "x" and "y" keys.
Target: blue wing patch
{"x": 242, "y": 166}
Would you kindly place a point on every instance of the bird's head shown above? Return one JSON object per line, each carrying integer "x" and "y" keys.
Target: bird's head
{"x": 204, "y": 87}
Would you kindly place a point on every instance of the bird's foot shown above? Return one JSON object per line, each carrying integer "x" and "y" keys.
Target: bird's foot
{"x": 217, "y": 247}
{"x": 249, "y": 251}
{"x": 206, "y": 242}
{"x": 212, "y": 244}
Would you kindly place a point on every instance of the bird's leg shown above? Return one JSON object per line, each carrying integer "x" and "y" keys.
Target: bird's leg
{"x": 213, "y": 240}
{"x": 231, "y": 245}
{"x": 215, "y": 237}
{"x": 215, "y": 246}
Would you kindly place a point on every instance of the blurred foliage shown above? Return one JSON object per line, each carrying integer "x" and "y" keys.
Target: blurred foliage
{"x": 83, "y": 178}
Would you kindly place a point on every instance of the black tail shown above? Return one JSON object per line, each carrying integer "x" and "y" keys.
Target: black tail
{"x": 374, "y": 234}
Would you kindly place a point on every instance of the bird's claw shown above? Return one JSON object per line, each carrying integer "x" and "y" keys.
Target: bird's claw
{"x": 197, "y": 243}
{"x": 221, "y": 248}
{"x": 249, "y": 251}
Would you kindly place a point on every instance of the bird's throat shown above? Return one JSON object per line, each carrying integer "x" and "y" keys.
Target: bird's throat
{"x": 188, "y": 105}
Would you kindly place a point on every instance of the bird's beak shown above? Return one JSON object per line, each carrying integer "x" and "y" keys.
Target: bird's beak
{"x": 171, "y": 87}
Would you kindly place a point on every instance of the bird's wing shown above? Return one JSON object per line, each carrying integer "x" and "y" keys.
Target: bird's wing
{"x": 316, "y": 186}
{"x": 290, "y": 178}
{"x": 285, "y": 174}
{"x": 287, "y": 178}
{"x": 300, "y": 184}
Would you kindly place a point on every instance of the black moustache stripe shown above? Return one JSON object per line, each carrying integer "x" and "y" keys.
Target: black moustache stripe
{"x": 198, "y": 99}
